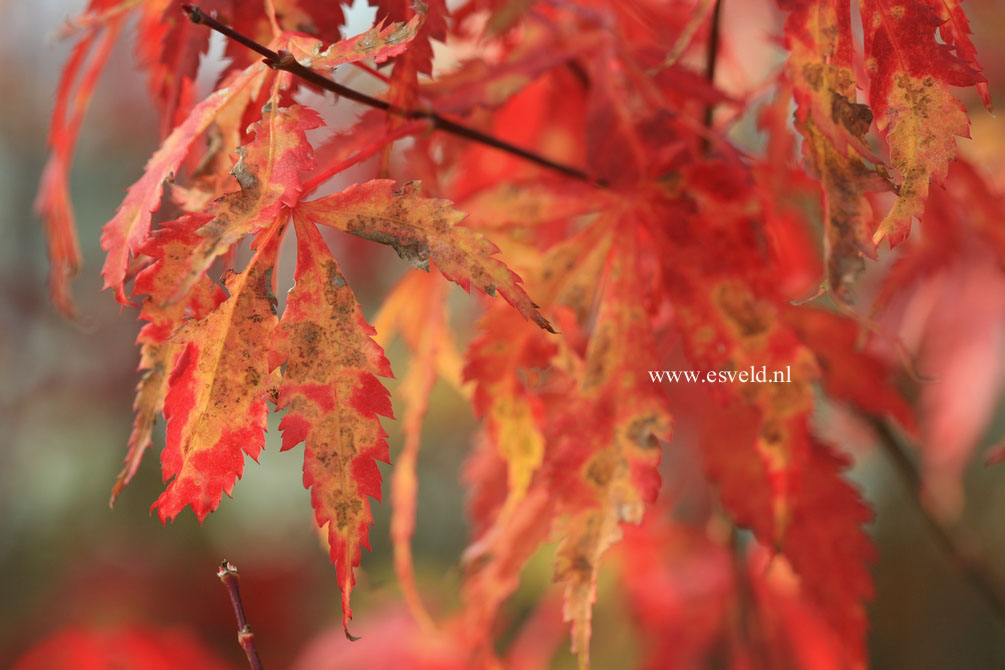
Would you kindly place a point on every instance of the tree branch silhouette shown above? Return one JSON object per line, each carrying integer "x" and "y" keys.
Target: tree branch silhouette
{"x": 958, "y": 546}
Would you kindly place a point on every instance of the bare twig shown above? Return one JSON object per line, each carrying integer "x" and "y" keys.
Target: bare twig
{"x": 229, "y": 576}
{"x": 284, "y": 60}
{"x": 958, "y": 546}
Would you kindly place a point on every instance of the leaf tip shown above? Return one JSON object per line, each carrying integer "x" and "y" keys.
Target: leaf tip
{"x": 116, "y": 490}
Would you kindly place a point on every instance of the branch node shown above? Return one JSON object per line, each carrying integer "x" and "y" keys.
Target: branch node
{"x": 286, "y": 60}
{"x": 195, "y": 14}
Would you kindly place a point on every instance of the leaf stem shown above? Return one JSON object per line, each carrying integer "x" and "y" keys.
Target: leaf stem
{"x": 957, "y": 546}
{"x": 229, "y": 576}
{"x": 361, "y": 155}
{"x": 284, "y": 60}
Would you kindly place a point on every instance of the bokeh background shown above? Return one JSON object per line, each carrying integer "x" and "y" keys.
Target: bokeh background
{"x": 66, "y": 559}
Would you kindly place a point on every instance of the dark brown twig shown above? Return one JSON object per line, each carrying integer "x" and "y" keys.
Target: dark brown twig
{"x": 284, "y": 60}
{"x": 958, "y": 547}
{"x": 229, "y": 576}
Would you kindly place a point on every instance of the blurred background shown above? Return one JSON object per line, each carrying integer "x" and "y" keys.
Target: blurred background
{"x": 66, "y": 559}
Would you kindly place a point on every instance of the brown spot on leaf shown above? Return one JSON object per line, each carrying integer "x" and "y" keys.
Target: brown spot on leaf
{"x": 855, "y": 117}
{"x": 814, "y": 74}
{"x": 601, "y": 469}
{"x": 748, "y": 316}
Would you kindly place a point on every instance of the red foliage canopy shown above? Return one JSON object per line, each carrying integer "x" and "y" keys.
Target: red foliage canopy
{"x": 656, "y": 243}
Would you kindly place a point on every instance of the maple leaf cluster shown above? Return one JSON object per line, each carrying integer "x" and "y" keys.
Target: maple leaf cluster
{"x": 657, "y": 243}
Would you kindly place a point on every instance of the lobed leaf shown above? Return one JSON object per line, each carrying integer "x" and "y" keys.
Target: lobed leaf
{"x": 215, "y": 406}
{"x": 955, "y": 31}
{"x": 379, "y": 42}
{"x": 334, "y": 399}
{"x": 53, "y": 202}
{"x": 910, "y": 74}
{"x": 819, "y": 38}
{"x": 169, "y": 46}
{"x": 847, "y": 373}
{"x": 616, "y": 472}
{"x": 170, "y": 247}
{"x": 269, "y": 175}
{"x": 123, "y": 236}
{"x": 512, "y": 414}
{"x": 824, "y": 540}
{"x": 422, "y": 229}
{"x": 419, "y": 57}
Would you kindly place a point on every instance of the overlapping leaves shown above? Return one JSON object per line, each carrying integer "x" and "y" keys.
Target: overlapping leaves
{"x": 673, "y": 255}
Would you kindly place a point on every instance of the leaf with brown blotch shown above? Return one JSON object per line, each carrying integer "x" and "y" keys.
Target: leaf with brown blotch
{"x": 334, "y": 401}
{"x": 282, "y": 19}
{"x": 128, "y": 230}
{"x": 566, "y": 442}
{"x": 599, "y": 152}
{"x": 910, "y": 74}
{"x": 268, "y": 173}
{"x": 849, "y": 221}
{"x": 819, "y": 38}
{"x": 215, "y": 406}
{"x": 422, "y": 229}
{"x": 620, "y": 422}
{"x": 170, "y": 247}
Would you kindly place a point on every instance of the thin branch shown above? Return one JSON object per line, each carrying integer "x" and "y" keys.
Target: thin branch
{"x": 711, "y": 59}
{"x": 284, "y": 60}
{"x": 745, "y": 609}
{"x": 955, "y": 543}
{"x": 229, "y": 576}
